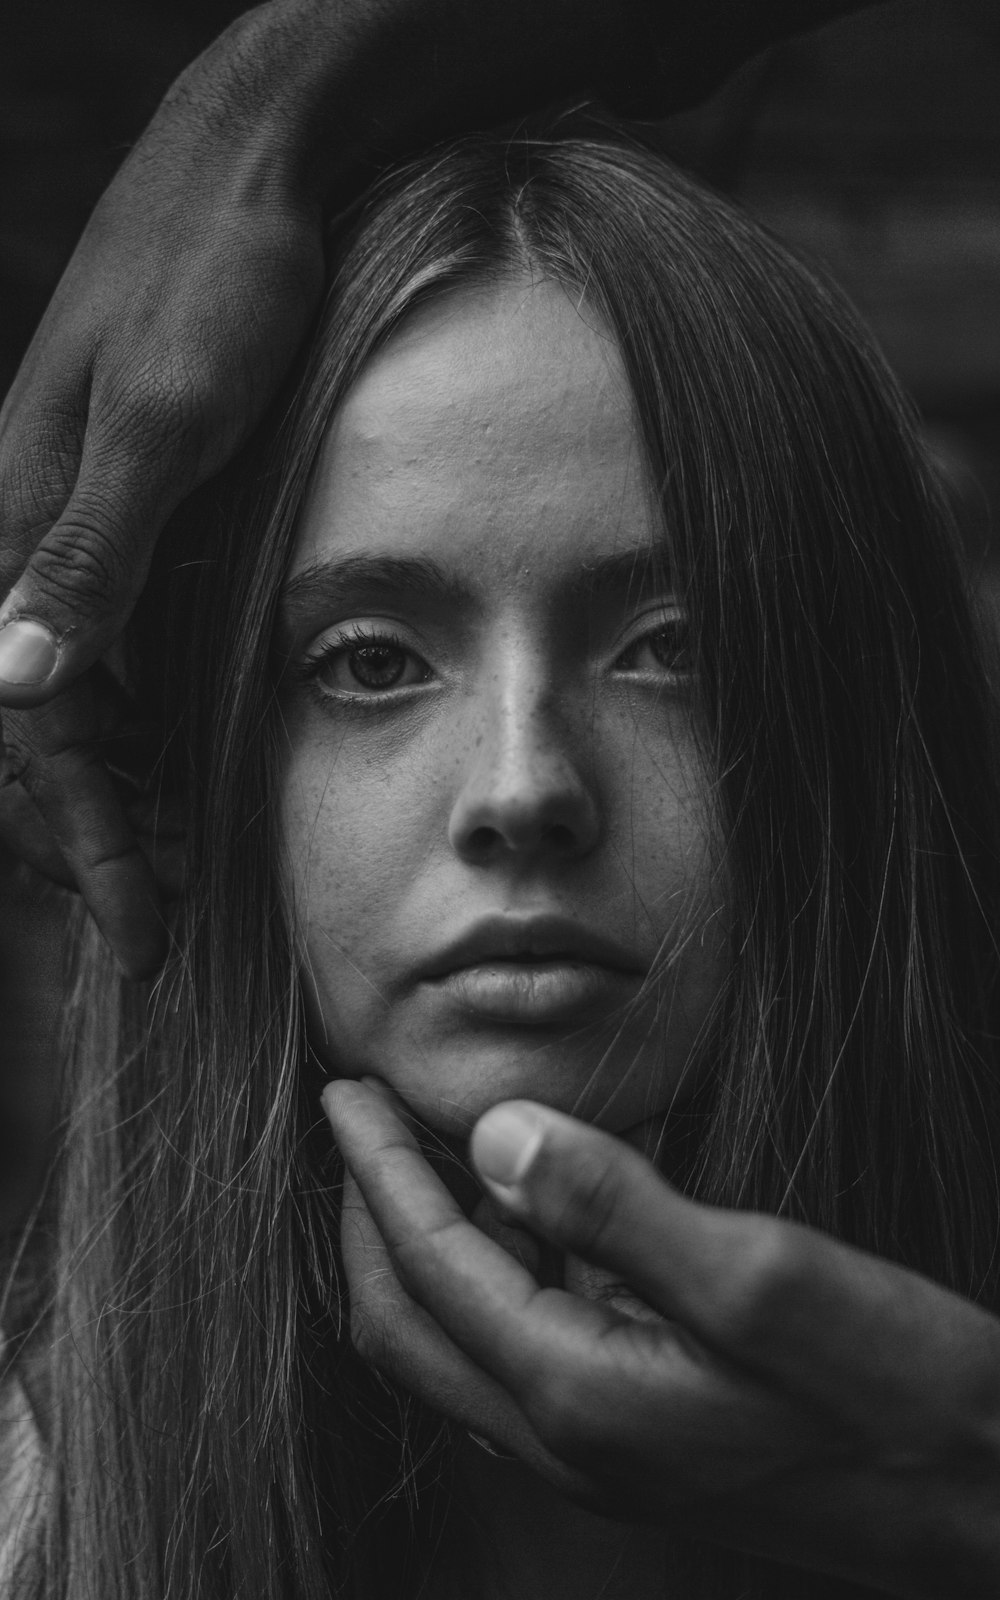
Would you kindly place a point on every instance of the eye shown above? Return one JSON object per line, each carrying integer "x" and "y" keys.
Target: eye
{"x": 664, "y": 652}
{"x": 365, "y": 661}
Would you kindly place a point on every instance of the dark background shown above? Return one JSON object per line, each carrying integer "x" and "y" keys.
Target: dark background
{"x": 872, "y": 145}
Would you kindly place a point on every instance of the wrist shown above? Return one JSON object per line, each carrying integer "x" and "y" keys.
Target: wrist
{"x": 927, "y": 1526}
{"x": 954, "y": 1554}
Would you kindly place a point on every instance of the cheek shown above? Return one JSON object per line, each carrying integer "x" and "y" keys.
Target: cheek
{"x": 667, "y": 842}
{"x": 659, "y": 821}
{"x": 347, "y": 850}
{"x": 361, "y": 813}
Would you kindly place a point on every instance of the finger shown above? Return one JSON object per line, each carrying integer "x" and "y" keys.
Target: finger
{"x": 825, "y": 1320}
{"x": 25, "y": 832}
{"x": 42, "y": 425}
{"x": 161, "y": 836}
{"x": 131, "y": 750}
{"x": 54, "y": 755}
{"x": 477, "y": 1292}
{"x": 604, "y": 1392}
{"x": 402, "y": 1341}
{"x": 608, "y": 1288}
{"x": 27, "y": 835}
{"x": 728, "y": 1438}
{"x": 597, "y": 1197}
{"x": 80, "y": 581}
{"x": 748, "y": 1468}
{"x": 411, "y": 1205}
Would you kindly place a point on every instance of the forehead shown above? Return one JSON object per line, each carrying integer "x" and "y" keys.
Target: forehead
{"x": 497, "y": 417}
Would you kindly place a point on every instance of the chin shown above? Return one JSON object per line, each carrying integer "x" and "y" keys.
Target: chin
{"x": 450, "y": 1089}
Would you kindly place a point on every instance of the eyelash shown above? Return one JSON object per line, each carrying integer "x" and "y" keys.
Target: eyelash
{"x": 358, "y": 637}
{"x": 669, "y": 625}
{"x": 352, "y": 639}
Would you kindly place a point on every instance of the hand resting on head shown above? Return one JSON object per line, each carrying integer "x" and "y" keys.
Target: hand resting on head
{"x": 188, "y": 295}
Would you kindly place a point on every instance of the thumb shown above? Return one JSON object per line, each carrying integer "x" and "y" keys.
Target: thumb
{"x": 596, "y": 1197}
{"x": 81, "y": 581}
{"x": 580, "y": 1188}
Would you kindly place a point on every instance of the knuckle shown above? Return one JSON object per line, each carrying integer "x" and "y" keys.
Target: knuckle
{"x": 761, "y": 1288}
{"x": 19, "y": 752}
{"x": 558, "y": 1408}
{"x": 82, "y": 565}
{"x": 14, "y": 764}
{"x": 367, "y": 1332}
{"x": 587, "y": 1211}
{"x": 37, "y": 471}
{"x": 155, "y": 403}
{"x": 416, "y": 1256}
{"x": 160, "y": 411}
{"x": 166, "y": 421}
{"x": 112, "y": 855}
{"x": 35, "y": 756}
{"x": 373, "y": 1314}
{"x": 64, "y": 776}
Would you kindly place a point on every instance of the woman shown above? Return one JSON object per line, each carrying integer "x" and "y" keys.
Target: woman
{"x": 585, "y": 705}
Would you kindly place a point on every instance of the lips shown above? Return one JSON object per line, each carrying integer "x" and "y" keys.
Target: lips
{"x": 526, "y": 941}
{"x": 546, "y": 971}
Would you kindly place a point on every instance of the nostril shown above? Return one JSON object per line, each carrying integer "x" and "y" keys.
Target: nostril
{"x": 487, "y": 826}
{"x": 482, "y": 840}
{"x": 557, "y": 837}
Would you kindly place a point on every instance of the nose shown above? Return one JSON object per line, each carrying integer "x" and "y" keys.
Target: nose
{"x": 526, "y": 791}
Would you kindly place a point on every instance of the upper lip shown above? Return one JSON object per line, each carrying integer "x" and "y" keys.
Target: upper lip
{"x": 538, "y": 938}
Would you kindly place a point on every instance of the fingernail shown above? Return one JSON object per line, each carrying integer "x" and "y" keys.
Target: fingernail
{"x": 505, "y": 1142}
{"x": 28, "y": 652}
{"x": 329, "y": 1098}
{"x": 329, "y": 1090}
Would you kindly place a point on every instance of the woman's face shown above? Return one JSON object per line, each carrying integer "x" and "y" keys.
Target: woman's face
{"x": 493, "y": 808}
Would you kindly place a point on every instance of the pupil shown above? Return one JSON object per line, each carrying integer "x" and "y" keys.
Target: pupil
{"x": 376, "y": 666}
{"x": 669, "y": 646}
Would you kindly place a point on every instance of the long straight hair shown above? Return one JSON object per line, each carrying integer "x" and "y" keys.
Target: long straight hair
{"x": 212, "y": 1435}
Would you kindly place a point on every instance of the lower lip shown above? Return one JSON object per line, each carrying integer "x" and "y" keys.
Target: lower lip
{"x": 537, "y": 991}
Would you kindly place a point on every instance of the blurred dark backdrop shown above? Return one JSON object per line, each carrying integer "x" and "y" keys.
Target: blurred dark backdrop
{"x": 873, "y": 145}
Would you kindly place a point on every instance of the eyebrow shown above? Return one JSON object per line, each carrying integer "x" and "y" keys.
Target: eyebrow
{"x": 630, "y": 572}
{"x": 355, "y": 577}
{"x": 357, "y": 580}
